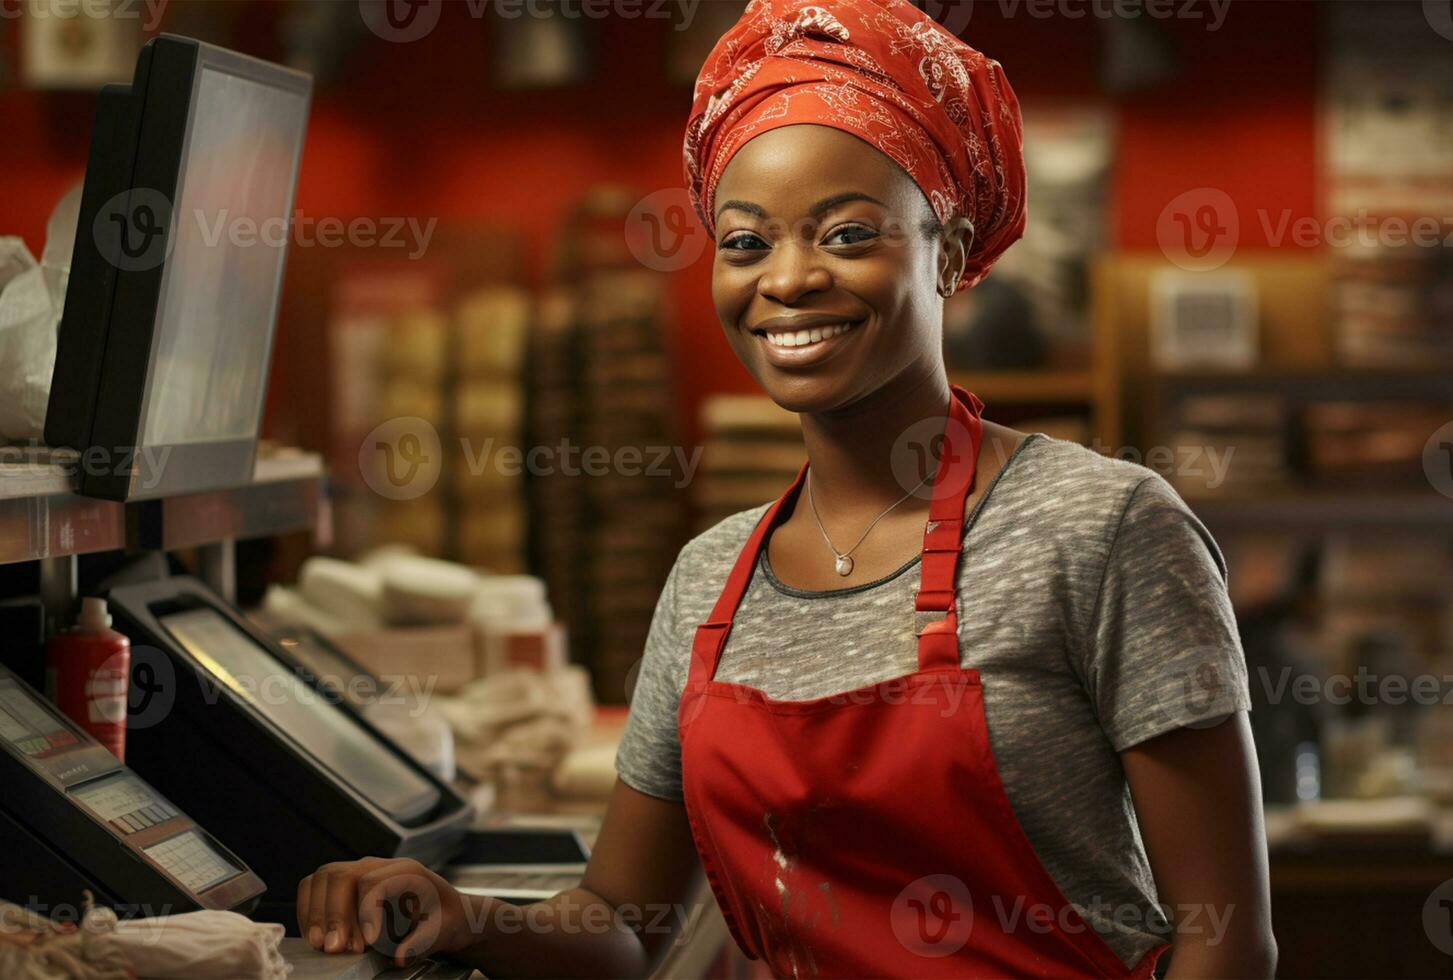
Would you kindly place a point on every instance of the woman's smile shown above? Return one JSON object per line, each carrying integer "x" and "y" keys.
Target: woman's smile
{"x": 802, "y": 341}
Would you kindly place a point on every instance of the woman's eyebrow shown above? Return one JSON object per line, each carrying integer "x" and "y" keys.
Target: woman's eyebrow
{"x": 828, "y": 203}
{"x": 821, "y": 207}
{"x": 755, "y": 210}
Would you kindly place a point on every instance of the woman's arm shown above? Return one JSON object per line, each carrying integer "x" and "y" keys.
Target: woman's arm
{"x": 617, "y": 923}
{"x": 1197, "y": 797}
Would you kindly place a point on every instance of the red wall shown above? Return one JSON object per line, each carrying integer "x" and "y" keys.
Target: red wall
{"x": 420, "y": 130}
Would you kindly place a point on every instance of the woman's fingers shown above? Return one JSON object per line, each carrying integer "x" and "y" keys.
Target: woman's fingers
{"x": 340, "y": 908}
{"x": 375, "y": 900}
{"x": 316, "y": 910}
{"x": 304, "y": 889}
{"x": 393, "y": 905}
{"x": 328, "y": 906}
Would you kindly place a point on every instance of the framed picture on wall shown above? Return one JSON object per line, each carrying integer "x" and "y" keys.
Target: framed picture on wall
{"x": 1203, "y": 320}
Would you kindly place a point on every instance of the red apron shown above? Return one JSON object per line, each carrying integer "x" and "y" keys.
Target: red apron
{"x": 867, "y": 833}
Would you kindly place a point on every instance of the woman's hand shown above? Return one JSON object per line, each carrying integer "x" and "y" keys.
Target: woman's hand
{"x": 640, "y": 889}
{"x": 394, "y": 905}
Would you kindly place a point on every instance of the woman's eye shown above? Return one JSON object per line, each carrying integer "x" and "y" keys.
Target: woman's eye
{"x": 744, "y": 242}
{"x": 851, "y": 235}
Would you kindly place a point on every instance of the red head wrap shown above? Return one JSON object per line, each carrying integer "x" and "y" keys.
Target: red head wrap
{"x": 885, "y": 72}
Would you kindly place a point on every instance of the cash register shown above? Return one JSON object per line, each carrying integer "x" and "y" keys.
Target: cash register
{"x": 263, "y": 753}
{"x": 515, "y": 858}
{"x": 75, "y": 819}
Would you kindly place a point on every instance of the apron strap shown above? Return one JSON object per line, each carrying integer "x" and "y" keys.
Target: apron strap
{"x": 942, "y": 542}
{"x": 711, "y": 636}
{"x": 938, "y": 641}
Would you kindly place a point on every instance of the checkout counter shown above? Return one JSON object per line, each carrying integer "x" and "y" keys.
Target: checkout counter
{"x": 221, "y": 779}
{"x": 244, "y": 770}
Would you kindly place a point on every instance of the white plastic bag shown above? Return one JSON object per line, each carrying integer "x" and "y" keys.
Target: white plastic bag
{"x": 31, "y": 298}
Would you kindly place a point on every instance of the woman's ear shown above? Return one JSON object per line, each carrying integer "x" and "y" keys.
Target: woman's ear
{"x": 953, "y": 256}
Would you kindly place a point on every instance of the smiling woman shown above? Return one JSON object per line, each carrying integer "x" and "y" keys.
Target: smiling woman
{"x": 1001, "y": 734}
{"x": 797, "y": 251}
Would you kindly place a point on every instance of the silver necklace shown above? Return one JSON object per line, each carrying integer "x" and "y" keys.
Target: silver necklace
{"x": 844, "y": 560}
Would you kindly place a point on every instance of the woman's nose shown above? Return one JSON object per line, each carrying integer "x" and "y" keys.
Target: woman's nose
{"x": 793, "y": 271}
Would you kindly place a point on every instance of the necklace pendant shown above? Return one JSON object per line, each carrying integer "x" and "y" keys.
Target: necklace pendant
{"x": 844, "y": 565}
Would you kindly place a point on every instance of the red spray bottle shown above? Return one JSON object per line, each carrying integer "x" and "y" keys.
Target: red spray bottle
{"x": 89, "y": 668}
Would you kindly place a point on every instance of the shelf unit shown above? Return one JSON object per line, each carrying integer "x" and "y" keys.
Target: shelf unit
{"x": 43, "y": 519}
{"x": 1297, "y": 365}
{"x": 1313, "y": 511}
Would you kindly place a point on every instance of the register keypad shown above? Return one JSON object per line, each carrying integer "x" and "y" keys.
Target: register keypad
{"x": 126, "y": 803}
{"x": 188, "y": 858}
{"x": 141, "y": 819}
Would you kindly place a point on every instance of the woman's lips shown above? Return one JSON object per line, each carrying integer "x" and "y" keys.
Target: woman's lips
{"x": 806, "y": 346}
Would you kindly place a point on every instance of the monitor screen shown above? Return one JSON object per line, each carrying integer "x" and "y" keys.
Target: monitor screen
{"x": 322, "y": 729}
{"x": 30, "y": 726}
{"x": 220, "y": 296}
{"x": 324, "y": 662}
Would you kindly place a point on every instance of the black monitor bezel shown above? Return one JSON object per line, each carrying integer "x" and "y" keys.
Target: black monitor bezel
{"x": 113, "y": 464}
{"x": 81, "y": 336}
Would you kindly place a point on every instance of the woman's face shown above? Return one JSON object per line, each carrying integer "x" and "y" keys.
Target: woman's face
{"x": 825, "y": 279}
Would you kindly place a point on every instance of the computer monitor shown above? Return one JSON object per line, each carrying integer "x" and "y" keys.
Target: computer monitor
{"x": 75, "y": 819}
{"x": 264, "y": 753}
{"x": 166, "y": 338}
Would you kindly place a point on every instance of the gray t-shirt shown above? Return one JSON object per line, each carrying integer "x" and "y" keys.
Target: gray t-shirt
{"x": 1093, "y": 604}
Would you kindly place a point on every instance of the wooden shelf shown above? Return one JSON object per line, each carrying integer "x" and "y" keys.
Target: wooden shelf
{"x": 1028, "y": 387}
{"x": 1318, "y": 385}
{"x": 42, "y": 517}
{"x": 1267, "y": 372}
{"x": 1326, "y": 511}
